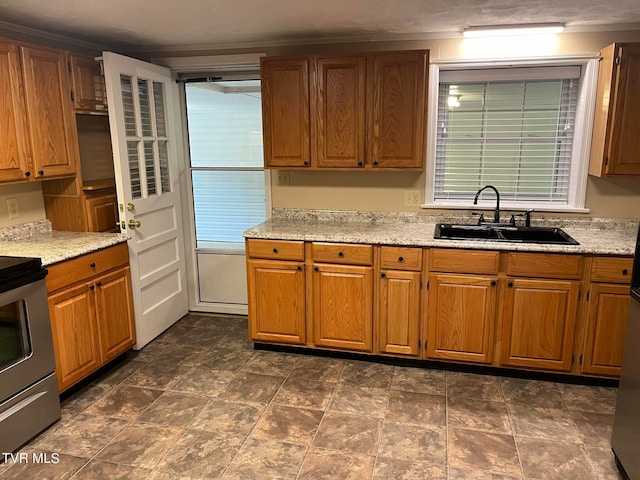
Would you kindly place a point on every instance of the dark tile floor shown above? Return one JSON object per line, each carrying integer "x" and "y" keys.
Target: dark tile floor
{"x": 199, "y": 402}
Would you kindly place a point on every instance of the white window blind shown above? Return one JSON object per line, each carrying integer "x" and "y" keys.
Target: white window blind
{"x": 508, "y": 127}
{"x": 225, "y": 142}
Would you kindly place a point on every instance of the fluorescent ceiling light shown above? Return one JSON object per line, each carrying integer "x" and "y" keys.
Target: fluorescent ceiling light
{"x": 523, "y": 29}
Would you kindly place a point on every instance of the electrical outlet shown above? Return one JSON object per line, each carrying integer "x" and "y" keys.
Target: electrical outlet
{"x": 283, "y": 177}
{"x": 412, "y": 198}
{"x": 12, "y": 207}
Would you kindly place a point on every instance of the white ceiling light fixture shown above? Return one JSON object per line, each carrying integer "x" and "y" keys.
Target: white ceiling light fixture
{"x": 522, "y": 29}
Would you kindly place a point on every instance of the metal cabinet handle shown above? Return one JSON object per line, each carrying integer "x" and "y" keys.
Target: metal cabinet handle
{"x": 305, "y": 163}
{"x": 340, "y": 254}
{"x": 92, "y": 287}
{"x": 360, "y": 164}
{"x": 275, "y": 250}
{"x": 401, "y": 259}
{"x": 383, "y": 275}
{"x": 316, "y": 269}
{"x": 493, "y": 283}
{"x": 99, "y": 284}
{"x": 510, "y": 284}
{"x": 27, "y": 174}
{"x": 299, "y": 268}
{"x": 375, "y": 162}
{"x": 625, "y": 271}
{"x": 93, "y": 265}
{"x": 40, "y": 172}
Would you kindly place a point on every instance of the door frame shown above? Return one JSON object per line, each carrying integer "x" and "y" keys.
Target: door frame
{"x": 205, "y": 64}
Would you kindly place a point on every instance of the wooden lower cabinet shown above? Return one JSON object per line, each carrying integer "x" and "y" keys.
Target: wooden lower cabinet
{"x": 607, "y": 315}
{"x": 399, "y": 312}
{"x": 279, "y": 314}
{"x": 114, "y": 313}
{"x": 539, "y": 319}
{"x": 461, "y": 317}
{"x": 75, "y": 334}
{"x": 91, "y": 311}
{"x": 342, "y": 306}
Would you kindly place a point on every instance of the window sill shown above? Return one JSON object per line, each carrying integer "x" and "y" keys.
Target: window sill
{"x": 504, "y": 207}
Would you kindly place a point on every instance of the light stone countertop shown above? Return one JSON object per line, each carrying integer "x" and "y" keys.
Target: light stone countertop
{"x": 596, "y": 236}
{"x": 38, "y": 240}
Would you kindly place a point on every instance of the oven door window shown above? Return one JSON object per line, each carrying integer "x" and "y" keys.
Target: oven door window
{"x": 14, "y": 334}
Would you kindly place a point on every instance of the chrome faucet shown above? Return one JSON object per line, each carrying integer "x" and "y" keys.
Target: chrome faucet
{"x": 496, "y": 215}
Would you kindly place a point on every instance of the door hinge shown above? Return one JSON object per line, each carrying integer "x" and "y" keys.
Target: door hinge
{"x": 73, "y": 97}
{"x": 580, "y": 360}
{"x": 573, "y": 359}
{"x": 428, "y": 284}
{"x": 418, "y": 344}
{"x": 588, "y": 295}
{"x": 606, "y": 160}
{"x": 579, "y": 295}
{"x": 69, "y": 66}
{"x": 617, "y": 59}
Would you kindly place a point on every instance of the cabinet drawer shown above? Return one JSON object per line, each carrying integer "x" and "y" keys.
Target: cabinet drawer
{"x": 611, "y": 269}
{"x": 342, "y": 253}
{"x": 275, "y": 249}
{"x": 83, "y": 268}
{"x": 547, "y": 265}
{"x": 401, "y": 258}
{"x": 464, "y": 261}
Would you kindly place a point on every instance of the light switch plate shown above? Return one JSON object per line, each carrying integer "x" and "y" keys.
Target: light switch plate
{"x": 12, "y": 207}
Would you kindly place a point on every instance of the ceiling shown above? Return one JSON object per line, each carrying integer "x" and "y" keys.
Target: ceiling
{"x": 192, "y": 24}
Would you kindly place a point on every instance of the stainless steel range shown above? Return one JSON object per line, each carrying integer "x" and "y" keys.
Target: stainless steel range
{"x": 29, "y": 400}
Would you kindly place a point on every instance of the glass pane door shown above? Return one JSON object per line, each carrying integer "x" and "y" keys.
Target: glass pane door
{"x": 144, "y": 108}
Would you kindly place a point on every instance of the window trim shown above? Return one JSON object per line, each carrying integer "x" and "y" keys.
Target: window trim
{"x": 582, "y": 139}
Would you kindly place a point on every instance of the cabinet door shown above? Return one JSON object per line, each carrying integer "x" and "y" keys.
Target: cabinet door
{"x": 114, "y": 313}
{"x": 608, "y": 312}
{"x": 461, "y": 317}
{"x": 53, "y": 131}
{"x": 340, "y": 121}
{"x": 89, "y": 92}
{"x": 102, "y": 213}
{"x": 342, "y": 306}
{"x": 624, "y": 155}
{"x": 538, "y": 323}
{"x": 14, "y": 144}
{"x": 399, "y": 312}
{"x": 276, "y": 301}
{"x": 615, "y": 144}
{"x": 75, "y": 337}
{"x": 398, "y": 110}
{"x": 286, "y": 112}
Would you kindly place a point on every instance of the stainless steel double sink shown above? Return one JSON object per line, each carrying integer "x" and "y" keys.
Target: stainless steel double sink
{"x": 504, "y": 233}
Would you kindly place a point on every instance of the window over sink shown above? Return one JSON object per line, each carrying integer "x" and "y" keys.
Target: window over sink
{"x": 524, "y": 128}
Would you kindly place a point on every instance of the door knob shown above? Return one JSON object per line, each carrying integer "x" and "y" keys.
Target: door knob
{"x": 134, "y": 224}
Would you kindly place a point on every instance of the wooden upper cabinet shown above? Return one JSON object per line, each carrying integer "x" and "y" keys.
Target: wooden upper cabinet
{"x": 615, "y": 144}
{"x": 398, "y": 110}
{"x": 352, "y": 111}
{"x": 286, "y": 112}
{"x": 89, "y": 90}
{"x": 14, "y": 145}
{"x": 340, "y": 120}
{"x": 50, "y": 110}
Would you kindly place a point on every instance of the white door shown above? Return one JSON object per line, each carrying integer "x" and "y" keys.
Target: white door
{"x": 141, "y": 104}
